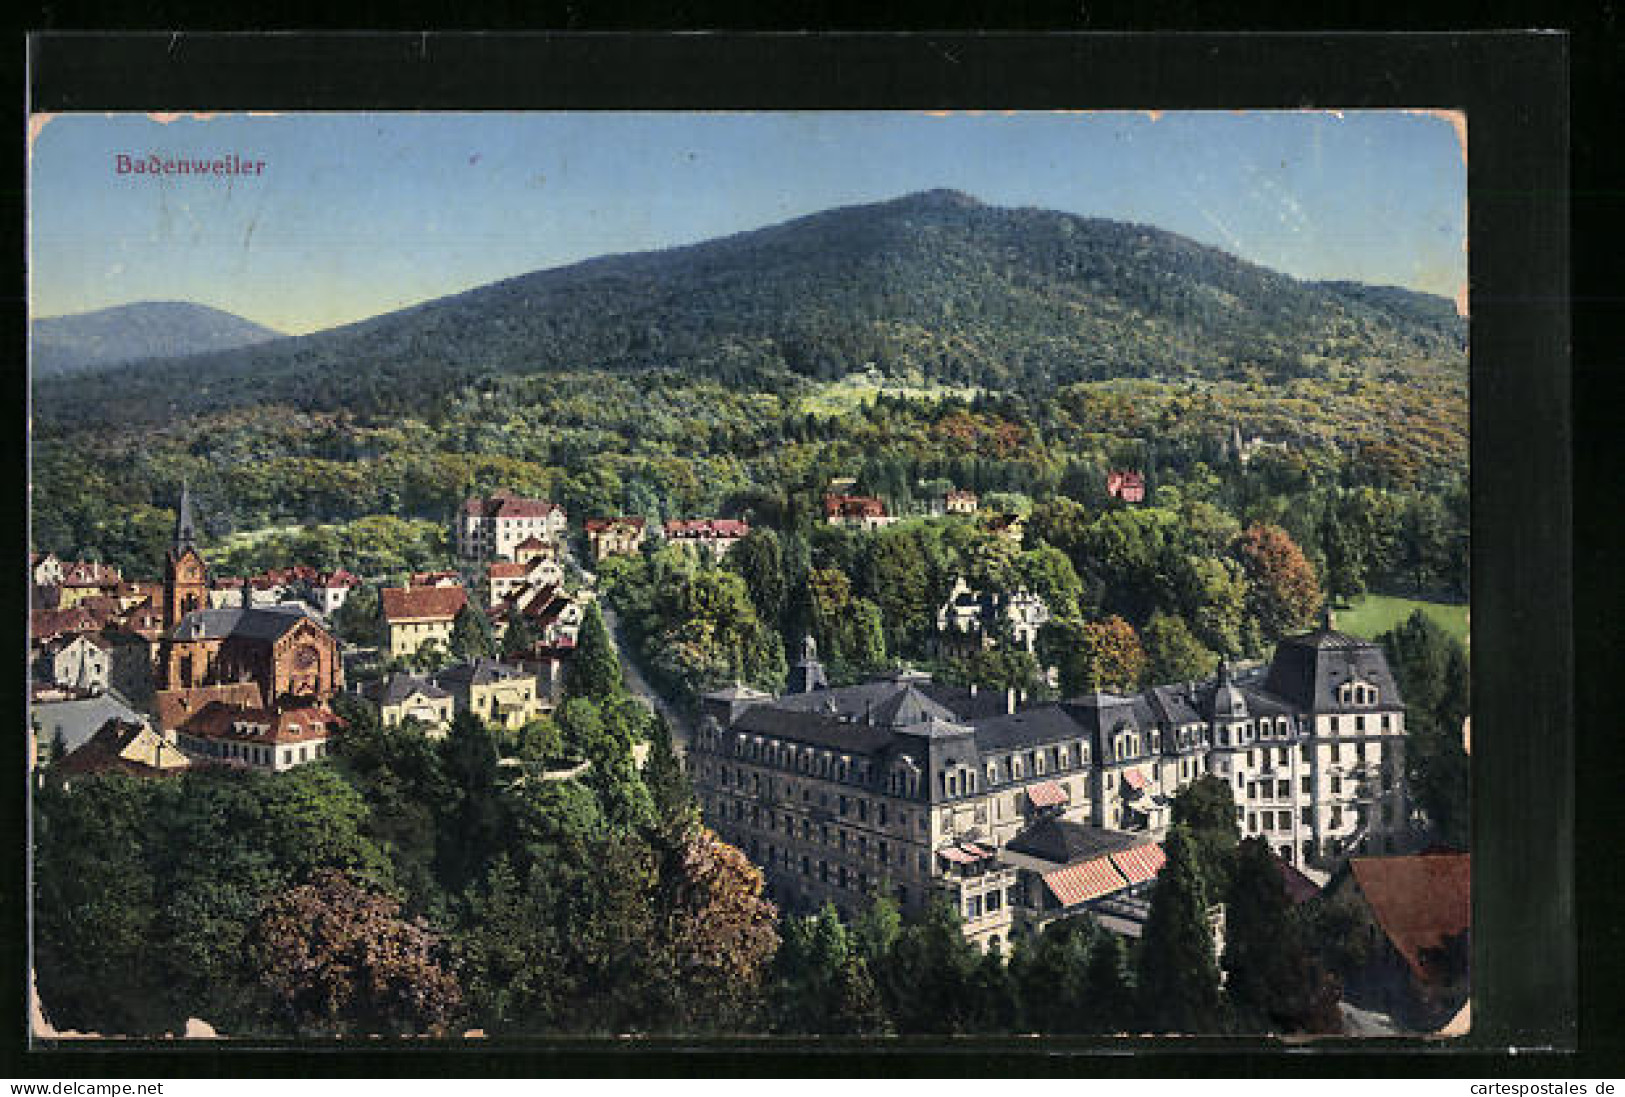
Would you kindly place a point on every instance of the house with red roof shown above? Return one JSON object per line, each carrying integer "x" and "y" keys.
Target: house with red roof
{"x": 1413, "y": 915}
{"x": 620, "y": 536}
{"x": 856, "y": 512}
{"x": 1126, "y": 485}
{"x": 714, "y": 535}
{"x": 492, "y": 527}
{"x": 415, "y": 615}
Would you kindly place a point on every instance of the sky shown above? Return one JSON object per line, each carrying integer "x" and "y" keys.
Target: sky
{"x": 358, "y": 214}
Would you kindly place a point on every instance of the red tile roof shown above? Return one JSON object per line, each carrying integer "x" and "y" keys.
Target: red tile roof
{"x": 43, "y": 624}
{"x": 853, "y": 506}
{"x": 706, "y": 528}
{"x": 1141, "y": 863}
{"x": 173, "y": 707}
{"x": 505, "y": 504}
{"x": 1047, "y": 794}
{"x": 1299, "y": 888}
{"x": 1133, "y": 778}
{"x": 295, "y": 725}
{"x": 1081, "y": 882}
{"x": 1420, "y": 902}
{"x": 599, "y": 525}
{"x": 423, "y": 603}
{"x": 504, "y": 570}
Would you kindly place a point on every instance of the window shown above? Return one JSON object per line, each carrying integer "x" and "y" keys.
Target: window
{"x": 1252, "y": 821}
{"x": 1337, "y": 784}
{"x": 1283, "y": 756}
{"x": 973, "y": 907}
{"x": 1385, "y": 726}
{"x": 994, "y": 900}
{"x": 1307, "y": 817}
{"x": 1269, "y": 820}
{"x": 1283, "y": 820}
{"x": 1337, "y": 815}
{"x": 1283, "y": 789}
{"x": 1308, "y": 786}
{"x": 1241, "y": 779}
{"x": 1359, "y": 723}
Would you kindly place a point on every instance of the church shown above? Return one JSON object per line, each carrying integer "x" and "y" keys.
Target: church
{"x": 247, "y": 684}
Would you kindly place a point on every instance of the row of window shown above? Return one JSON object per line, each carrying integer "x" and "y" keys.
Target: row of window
{"x": 832, "y": 836}
{"x": 256, "y": 754}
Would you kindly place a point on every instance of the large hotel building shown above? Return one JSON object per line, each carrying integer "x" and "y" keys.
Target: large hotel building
{"x": 1022, "y": 814}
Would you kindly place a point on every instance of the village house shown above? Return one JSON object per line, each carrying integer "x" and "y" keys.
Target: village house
{"x": 507, "y": 579}
{"x": 82, "y": 661}
{"x": 413, "y": 616}
{"x": 491, "y": 528}
{"x": 70, "y": 721}
{"x": 1413, "y": 915}
{"x": 400, "y": 697}
{"x": 45, "y": 568}
{"x": 1125, "y": 485}
{"x": 714, "y": 535}
{"x": 856, "y": 512}
{"x": 81, "y": 580}
{"x": 615, "y": 536}
{"x": 128, "y": 747}
{"x": 502, "y": 695}
{"x": 972, "y": 620}
{"x": 960, "y": 502}
{"x": 258, "y": 738}
{"x": 923, "y": 787}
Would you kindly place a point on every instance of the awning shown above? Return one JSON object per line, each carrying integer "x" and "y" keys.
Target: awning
{"x": 1134, "y": 779}
{"x": 1141, "y": 863}
{"x": 1079, "y": 883}
{"x": 1047, "y": 794}
{"x": 966, "y": 853}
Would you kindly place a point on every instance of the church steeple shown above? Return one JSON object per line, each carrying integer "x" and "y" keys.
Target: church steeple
{"x": 185, "y": 530}
{"x": 186, "y": 580}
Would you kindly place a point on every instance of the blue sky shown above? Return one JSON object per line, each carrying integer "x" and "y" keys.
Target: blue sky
{"x": 357, "y": 214}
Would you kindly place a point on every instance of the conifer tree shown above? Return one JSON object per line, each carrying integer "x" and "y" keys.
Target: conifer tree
{"x": 1178, "y": 976}
{"x": 471, "y": 634}
{"x": 1273, "y": 983}
{"x": 595, "y": 668}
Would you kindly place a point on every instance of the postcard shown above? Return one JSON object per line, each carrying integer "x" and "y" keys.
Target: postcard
{"x": 760, "y": 573}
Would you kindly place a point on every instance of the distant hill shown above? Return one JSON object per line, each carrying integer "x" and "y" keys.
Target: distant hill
{"x": 938, "y": 284}
{"x": 129, "y": 333}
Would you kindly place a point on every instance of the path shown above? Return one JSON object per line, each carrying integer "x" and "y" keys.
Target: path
{"x": 639, "y": 685}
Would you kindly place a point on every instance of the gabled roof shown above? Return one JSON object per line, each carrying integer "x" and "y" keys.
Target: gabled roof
{"x": 398, "y": 687}
{"x": 257, "y": 623}
{"x": 1420, "y": 902}
{"x": 480, "y": 672}
{"x": 122, "y": 746}
{"x": 1062, "y": 842}
{"x": 600, "y": 525}
{"x": 814, "y": 729}
{"x": 423, "y": 603}
{"x": 78, "y": 719}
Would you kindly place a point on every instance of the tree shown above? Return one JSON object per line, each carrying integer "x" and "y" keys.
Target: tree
{"x": 1282, "y": 592}
{"x": 820, "y": 980}
{"x": 1113, "y": 657}
{"x": 1050, "y": 975}
{"x": 716, "y": 936}
{"x": 519, "y": 637}
{"x": 674, "y": 804}
{"x": 759, "y": 559}
{"x": 1178, "y": 977}
{"x": 927, "y": 979}
{"x": 359, "y": 620}
{"x": 471, "y": 634}
{"x": 1207, "y": 809}
{"x": 338, "y": 958}
{"x": 1434, "y": 680}
{"x": 475, "y": 822}
{"x": 595, "y": 667}
{"x": 1173, "y": 653}
{"x": 1272, "y": 982}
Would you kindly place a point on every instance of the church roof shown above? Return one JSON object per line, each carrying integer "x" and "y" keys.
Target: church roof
{"x": 257, "y": 623}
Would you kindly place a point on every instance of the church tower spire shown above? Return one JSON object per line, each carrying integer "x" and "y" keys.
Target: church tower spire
{"x": 186, "y": 581}
{"x": 185, "y": 530}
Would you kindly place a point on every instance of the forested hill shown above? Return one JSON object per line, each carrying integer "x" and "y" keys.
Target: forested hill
{"x": 934, "y": 283}
{"x": 129, "y": 333}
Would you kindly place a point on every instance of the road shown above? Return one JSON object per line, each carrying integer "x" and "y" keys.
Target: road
{"x": 681, "y": 732}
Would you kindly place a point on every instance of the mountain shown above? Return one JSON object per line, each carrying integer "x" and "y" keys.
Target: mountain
{"x": 937, "y": 284}
{"x": 129, "y": 333}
